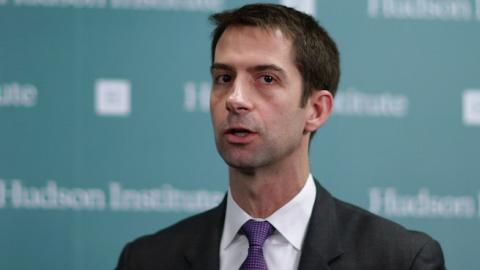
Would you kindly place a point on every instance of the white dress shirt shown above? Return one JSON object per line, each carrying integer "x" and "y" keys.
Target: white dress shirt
{"x": 281, "y": 250}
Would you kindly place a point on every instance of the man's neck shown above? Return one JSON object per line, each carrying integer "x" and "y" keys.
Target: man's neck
{"x": 262, "y": 192}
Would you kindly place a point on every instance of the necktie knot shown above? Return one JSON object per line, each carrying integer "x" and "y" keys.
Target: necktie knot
{"x": 257, "y": 231}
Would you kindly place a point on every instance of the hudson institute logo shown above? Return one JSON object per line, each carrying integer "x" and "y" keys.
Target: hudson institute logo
{"x": 471, "y": 107}
{"x": 112, "y": 97}
{"x": 445, "y": 10}
{"x": 17, "y": 94}
{"x": 348, "y": 102}
{"x": 196, "y": 96}
{"x": 53, "y": 195}
{"x": 136, "y": 5}
{"x": 422, "y": 204}
{"x": 353, "y": 102}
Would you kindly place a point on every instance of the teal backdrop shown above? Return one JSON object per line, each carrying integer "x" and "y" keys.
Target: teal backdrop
{"x": 105, "y": 133}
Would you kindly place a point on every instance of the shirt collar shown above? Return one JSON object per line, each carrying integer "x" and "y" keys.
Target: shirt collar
{"x": 291, "y": 220}
{"x": 235, "y": 217}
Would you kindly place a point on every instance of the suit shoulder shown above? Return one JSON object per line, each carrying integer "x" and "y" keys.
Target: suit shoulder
{"x": 165, "y": 249}
{"x": 392, "y": 245}
{"x": 181, "y": 231}
{"x": 375, "y": 231}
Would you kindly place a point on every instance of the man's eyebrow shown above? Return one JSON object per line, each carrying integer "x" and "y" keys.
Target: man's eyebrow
{"x": 255, "y": 68}
{"x": 221, "y": 66}
{"x": 268, "y": 67}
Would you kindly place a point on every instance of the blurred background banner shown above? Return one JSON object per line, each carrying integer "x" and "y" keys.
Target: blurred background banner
{"x": 105, "y": 131}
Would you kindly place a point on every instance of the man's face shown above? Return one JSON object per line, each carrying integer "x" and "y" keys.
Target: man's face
{"x": 255, "y": 99}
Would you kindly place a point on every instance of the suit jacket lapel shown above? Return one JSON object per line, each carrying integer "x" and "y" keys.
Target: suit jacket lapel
{"x": 322, "y": 244}
{"x": 204, "y": 253}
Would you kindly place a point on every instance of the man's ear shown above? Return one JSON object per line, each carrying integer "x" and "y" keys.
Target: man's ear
{"x": 319, "y": 108}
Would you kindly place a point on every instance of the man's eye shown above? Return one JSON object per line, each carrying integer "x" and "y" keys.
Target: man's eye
{"x": 268, "y": 79}
{"x": 224, "y": 78}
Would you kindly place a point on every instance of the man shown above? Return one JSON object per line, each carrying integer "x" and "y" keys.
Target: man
{"x": 275, "y": 72}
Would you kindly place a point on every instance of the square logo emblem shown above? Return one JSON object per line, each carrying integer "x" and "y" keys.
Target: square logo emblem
{"x": 112, "y": 97}
{"x": 471, "y": 107}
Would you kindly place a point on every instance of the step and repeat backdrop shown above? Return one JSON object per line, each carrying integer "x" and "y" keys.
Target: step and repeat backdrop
{"x": 105, "y": 133}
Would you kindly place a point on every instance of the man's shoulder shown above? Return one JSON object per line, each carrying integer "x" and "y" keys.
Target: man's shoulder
{"x": 354, "y": 223}
{"x": 182, "y": 231}
{"x": 356, "y": 219}
{"x": 360, "y": 229}
{"x": 167, "y": 248}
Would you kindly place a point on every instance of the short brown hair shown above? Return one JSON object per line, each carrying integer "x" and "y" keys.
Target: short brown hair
{"x": 316, "y": 55}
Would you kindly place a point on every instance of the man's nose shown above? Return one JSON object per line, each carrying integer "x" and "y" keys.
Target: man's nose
{"x": 239, "y": 101}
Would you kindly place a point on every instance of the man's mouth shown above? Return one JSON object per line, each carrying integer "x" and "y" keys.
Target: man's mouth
{"x": 240, "y": 132}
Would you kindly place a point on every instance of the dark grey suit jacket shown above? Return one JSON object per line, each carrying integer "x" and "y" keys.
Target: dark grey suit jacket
{"x": 340, "y": 236}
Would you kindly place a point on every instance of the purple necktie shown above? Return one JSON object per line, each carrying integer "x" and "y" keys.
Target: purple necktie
{"x": 257, "y": 232}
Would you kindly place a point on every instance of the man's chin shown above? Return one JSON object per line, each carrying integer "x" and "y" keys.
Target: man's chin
{"x": 242, "y": 168}
{"x": 242, "y": 160}
{"x": 239, "y": 164}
